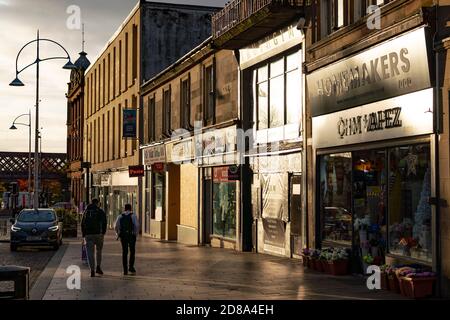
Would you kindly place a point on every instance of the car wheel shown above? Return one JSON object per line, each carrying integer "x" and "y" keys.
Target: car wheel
{"x": 56, "y": 246}
{"x": 13, "y": 247}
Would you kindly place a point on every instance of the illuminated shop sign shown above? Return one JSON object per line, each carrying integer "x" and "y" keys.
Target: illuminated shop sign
{"x": 405, "y": 116}
{"x": 381, "y": 120}
{"x": 393, "y": 68}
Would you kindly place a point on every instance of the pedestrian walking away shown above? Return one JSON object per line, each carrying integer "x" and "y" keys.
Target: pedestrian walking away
{"x": 127, "y": 229}
{"x": 93, "y": 229}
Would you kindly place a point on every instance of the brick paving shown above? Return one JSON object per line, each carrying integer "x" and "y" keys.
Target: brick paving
{"x": 168, "y": 271}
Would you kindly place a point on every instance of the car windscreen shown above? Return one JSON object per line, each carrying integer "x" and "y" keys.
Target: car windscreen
{"x": 40, "y": 216}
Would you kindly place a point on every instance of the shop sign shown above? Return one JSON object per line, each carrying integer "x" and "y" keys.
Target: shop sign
{"x": 154, "y": 155}
{"x": 183, "y": 151}
{"x": 270, "y": 46}
{"x": 226, "y": 174}
{"x": 136, "y": 171}
{"x": 393, "y": 68}
{"x": 158, "y": 167}
{"x": 105, "y": 180}
{"x": 234, "y": 173}
{"x": 404, "y": 116}
{"x": 215, "y": 146}
{"x": 129, "y": 123}
{"x": 274, "y": 232}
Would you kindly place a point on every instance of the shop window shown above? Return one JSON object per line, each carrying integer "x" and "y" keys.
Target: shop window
{"x": 383, "y": 196}
{"x": 409, "y": 211}
{"x": 224, "y": 204}
{"x": 335, "y": 198}
{"x": 209, "y": 97}
{"x": 151, "y": 119}
{"x": 167, "y": 113}
{"x": 278, "y": 92}
{"x": 185, "y": 101}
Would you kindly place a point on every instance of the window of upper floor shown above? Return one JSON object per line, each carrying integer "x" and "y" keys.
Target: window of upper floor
{"x": 332, "y": 15}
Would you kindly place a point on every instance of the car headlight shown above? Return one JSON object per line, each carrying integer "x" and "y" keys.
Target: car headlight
{"x": 54, "y": 228}
{"x": 15, "y": 229}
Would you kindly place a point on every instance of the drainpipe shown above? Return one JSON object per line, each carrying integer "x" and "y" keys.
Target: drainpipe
{"x": 438, "y": 130}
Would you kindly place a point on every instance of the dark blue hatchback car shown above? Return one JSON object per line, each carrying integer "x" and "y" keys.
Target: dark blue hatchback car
{"x": 36, "y": 227}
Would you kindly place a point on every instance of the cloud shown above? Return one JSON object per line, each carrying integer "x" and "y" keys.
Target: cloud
{"x": 101, "y": 17}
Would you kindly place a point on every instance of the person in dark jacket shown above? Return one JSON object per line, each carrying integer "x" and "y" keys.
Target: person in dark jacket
{"x": 127, "y": 229}
{"x": 93, "y": 229}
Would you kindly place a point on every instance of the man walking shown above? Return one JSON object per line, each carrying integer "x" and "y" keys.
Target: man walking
{"x": 127, "y": 229}
{"x": 93, "y": 228}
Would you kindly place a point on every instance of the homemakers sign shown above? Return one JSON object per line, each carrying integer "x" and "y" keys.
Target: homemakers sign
{"x": 393, "y": 68}
{"x": 404, "y": 116}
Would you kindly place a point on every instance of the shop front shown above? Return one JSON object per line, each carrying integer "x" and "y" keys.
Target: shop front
{"x": 273, "y": 103}
{"x": 372, "y": 137}
{"x": 154, "y": 191}
{"x": 217, "y": 157}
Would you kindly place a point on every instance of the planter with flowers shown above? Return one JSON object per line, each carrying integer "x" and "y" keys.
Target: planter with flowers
{"x": 325, "y": 256}
{"x": 418, "y": 284}
{"x": 393, "y": 283}
{"x": 338, "y": 262}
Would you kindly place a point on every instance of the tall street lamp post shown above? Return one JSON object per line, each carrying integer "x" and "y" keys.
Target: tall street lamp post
{"x": 17, "y": 83}
{"x": 13, "y": 127}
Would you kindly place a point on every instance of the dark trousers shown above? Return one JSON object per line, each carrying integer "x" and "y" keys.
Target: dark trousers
{"x": 128, "y": 242}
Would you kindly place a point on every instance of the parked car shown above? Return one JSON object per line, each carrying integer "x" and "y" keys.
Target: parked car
{"x": 36, "y": 228}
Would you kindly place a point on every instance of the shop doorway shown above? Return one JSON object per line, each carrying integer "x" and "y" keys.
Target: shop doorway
{"x": 207, "y": 211}
{"x": 295, "y": 208}
{"x": 173, "y": 209}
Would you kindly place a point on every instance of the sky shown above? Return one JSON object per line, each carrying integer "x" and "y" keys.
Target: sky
{"x": 19, "y": 22}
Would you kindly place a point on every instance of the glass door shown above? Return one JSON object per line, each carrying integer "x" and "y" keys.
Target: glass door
{"x": 369, "y": 205}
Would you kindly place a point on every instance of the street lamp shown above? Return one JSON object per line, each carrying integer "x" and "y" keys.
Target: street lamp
{"x": 13, "y": 127}
{"x": 18, "y": 83}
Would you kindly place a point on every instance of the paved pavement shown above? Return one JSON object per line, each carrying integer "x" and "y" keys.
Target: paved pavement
{"x": 170, "y": 271}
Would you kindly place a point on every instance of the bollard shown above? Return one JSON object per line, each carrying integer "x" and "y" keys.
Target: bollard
{"x": 21, "y": 278}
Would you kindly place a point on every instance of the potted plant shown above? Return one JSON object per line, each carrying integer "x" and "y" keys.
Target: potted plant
{"x": 339, "y": 262}
{"x": 367, "y": 261}
{"x": 323, "y": 259}
{"x": 401, "y": 273}
{"x": 418, "y": 284}
{"x": 362, "y": 225}
{"x": 393, "y": 284}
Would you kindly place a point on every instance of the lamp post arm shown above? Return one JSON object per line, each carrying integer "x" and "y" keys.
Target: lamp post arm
{"x": 54, "y": 58}
{"x": 39, "y": 60}
{"x": 22, "y": 115}
{"x": 58, "y": 44}
{"x": 20, "y": 51}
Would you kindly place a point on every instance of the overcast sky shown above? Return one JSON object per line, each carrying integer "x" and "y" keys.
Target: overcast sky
{"x": 19, "y": 21}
